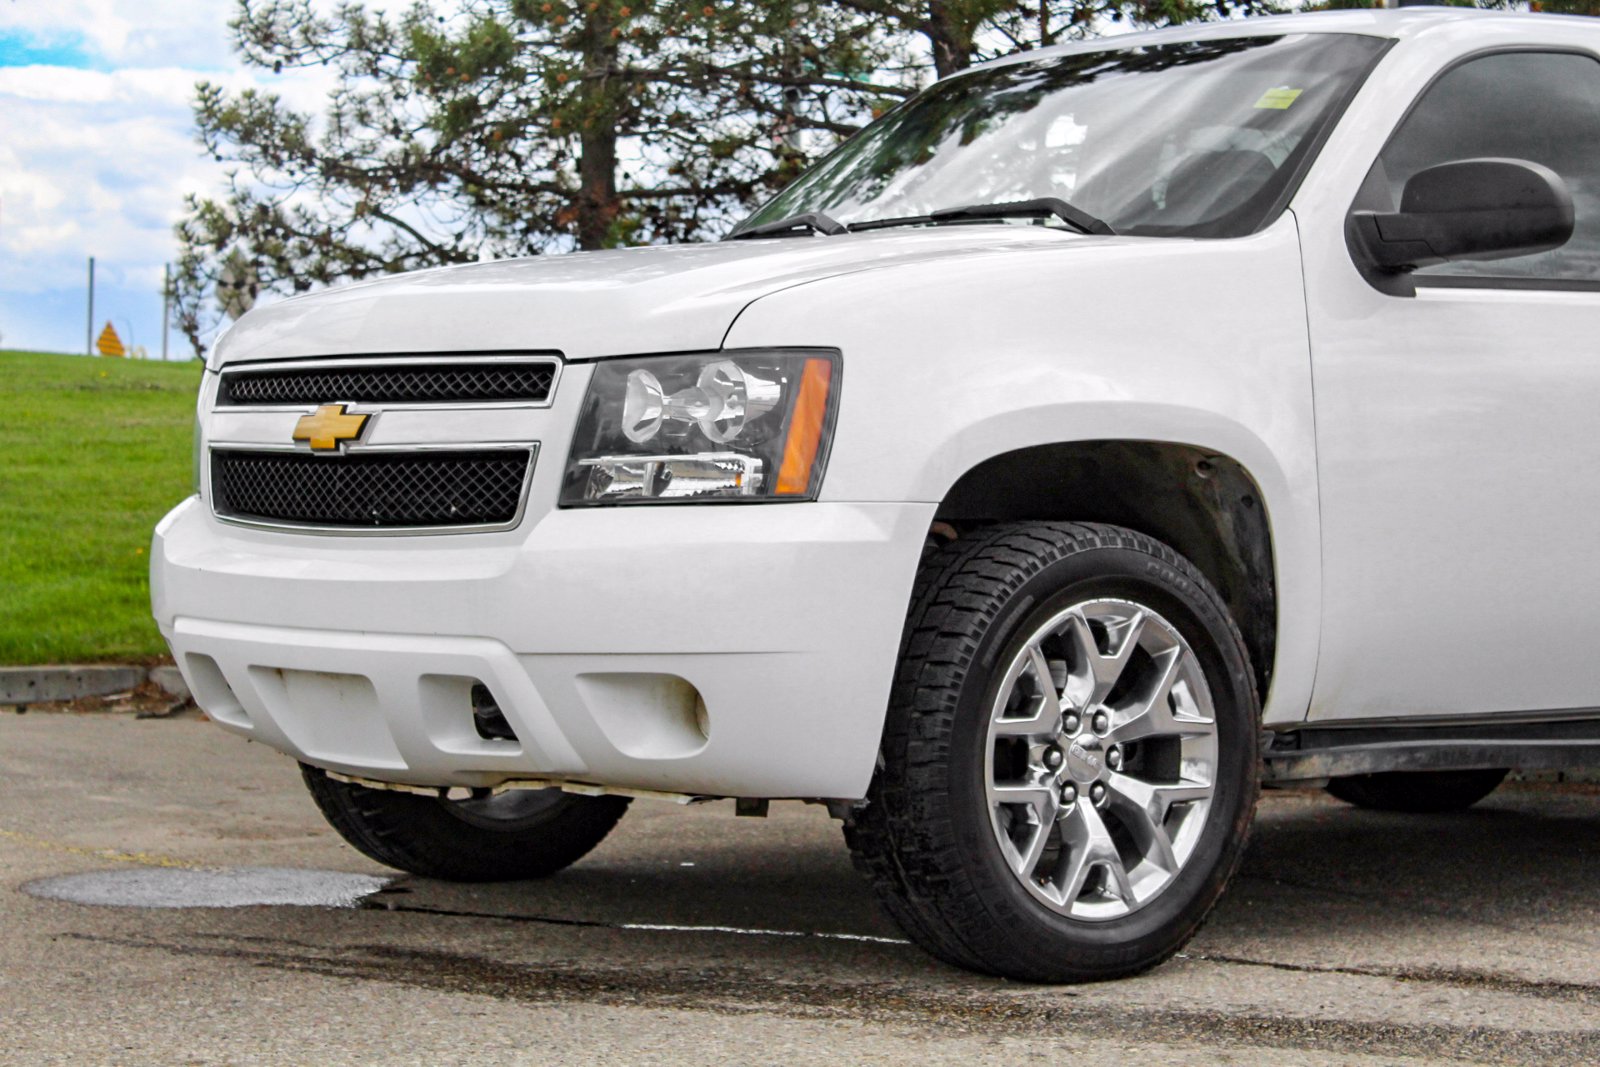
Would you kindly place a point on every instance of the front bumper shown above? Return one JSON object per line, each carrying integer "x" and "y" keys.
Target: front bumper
{"x": 597, "y": 634}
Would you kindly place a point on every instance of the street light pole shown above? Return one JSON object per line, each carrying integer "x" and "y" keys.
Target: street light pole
{"x": 166, "y": 305}
{"x": 88, "y": 330}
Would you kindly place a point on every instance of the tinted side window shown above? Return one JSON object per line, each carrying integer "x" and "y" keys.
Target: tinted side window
{"x": 1539, "y": 106}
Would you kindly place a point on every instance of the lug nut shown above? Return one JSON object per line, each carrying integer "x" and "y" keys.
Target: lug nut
{"x": 1070, "y": 724}
{"x": 1053, "y": 758}
{"x": 1097, "y": 793}
{"x": 1114, "y": 758}
{"x": 1102, "y": 722}
{"x": 1069, "y": 794}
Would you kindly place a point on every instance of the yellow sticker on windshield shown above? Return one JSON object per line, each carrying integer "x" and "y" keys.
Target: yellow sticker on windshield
{"x": 1278, "y": 99}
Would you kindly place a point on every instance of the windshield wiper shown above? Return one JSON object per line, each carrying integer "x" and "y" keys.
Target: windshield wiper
{"x": 1044, "y": 207}
{"x": 884, "y": 224}
{"x": 811, "y": 222}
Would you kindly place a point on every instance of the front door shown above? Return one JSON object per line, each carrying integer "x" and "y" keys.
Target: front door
{"x": 1458, "y": 429}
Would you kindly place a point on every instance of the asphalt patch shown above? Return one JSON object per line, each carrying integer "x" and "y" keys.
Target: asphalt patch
{"x": 230, "y": 887}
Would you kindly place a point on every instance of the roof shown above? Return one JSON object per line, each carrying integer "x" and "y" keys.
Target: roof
{"x": 1395, "y": 23}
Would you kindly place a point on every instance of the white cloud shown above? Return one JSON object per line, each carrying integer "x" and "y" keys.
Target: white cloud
{"x": 96, "y": 161}
{"x": 124, "y": 33}
{"x": 78, "y": 176}
{"x": 69, "y": 85}
{"x": 97, "y": 151}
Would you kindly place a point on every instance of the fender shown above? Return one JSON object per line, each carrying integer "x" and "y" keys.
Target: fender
{"x": 1200, "y": 343}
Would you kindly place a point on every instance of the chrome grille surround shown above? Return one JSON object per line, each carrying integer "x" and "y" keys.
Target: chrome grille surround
{"x": 422, "y": 465}
{"x": 402, "y": 490}
{"x": 392, "y": 381}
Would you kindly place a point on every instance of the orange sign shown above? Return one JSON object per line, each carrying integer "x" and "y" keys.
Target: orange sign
{"x": 110, "y": 344}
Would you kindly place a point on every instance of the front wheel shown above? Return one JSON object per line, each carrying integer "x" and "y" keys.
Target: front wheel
{"x": 1069, "y": 766}
{"x": 516, "y": 835}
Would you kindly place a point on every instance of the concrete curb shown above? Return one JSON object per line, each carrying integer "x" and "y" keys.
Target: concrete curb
{"x": 43, "y": 685}
{"x": 170, "y": 679}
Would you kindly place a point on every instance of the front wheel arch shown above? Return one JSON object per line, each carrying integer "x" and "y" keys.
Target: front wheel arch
{"x": 1203, "y": 503}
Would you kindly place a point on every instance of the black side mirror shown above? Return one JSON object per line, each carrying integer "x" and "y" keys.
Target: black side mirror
{"x": 1469, "y": 209}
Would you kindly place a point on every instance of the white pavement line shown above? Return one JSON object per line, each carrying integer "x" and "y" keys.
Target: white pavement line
{"x": 675, "y": 929}
{"x": 603, "y": 924}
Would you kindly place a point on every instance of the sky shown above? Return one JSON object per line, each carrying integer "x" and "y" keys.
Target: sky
{"x": 96, "y": 153}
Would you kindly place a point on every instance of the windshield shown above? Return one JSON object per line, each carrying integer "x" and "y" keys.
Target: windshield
{"x": 1198, "y": 139}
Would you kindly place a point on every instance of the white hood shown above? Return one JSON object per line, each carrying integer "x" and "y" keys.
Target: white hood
{"x": 593, "y": 304}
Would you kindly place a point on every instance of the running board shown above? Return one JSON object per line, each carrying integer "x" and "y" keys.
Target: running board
{"x": 1314, "y": 753}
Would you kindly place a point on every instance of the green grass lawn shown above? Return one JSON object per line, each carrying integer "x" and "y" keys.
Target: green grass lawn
{"x": 92, "y": 453}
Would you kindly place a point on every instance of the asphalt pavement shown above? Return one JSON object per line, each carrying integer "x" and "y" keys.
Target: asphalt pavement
{"x": 691, "y": 936}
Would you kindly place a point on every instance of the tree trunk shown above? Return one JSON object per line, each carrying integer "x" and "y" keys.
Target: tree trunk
{"x": 951, "y": 37}
{"x": 598, "y": 203}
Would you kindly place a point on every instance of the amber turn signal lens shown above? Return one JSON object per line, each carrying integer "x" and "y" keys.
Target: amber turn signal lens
{"x": 805, "y": 428}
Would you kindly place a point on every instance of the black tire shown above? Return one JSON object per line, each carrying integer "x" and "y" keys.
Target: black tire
{"x": 1418, "y": 792}
{"x": 519, "y": 835}
{"x": 924, "y": 839}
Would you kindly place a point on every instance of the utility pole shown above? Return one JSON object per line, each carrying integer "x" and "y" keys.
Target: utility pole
{"x": 166, "y": 305}
{"x": 88, "y": 333}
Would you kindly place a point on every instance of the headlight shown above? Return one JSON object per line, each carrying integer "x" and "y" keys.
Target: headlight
{"x": 738, "y": 425}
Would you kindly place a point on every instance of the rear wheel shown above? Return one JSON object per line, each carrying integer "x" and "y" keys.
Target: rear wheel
{"x": 1069, "y": 766}
{"x": 1417, "y": 791}
{"x": 516, "y": 835}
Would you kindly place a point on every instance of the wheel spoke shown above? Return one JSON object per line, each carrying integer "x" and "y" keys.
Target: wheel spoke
{"x": 1028, "y": 857}
{"x": 1046, "y": 718}
{"x": 1038, "y": 797}
{"x": 1101, "y": 671}
{"x": 1152, "y": 715}
{"x": 1143, "y": 806}
{"x": 1041, "y": 804}
{"x": 1091, "y": 848}
{"x": 1049, "y": 698}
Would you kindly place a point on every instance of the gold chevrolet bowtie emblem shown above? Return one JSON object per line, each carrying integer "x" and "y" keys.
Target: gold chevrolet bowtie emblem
{"x": 327, "y": 426}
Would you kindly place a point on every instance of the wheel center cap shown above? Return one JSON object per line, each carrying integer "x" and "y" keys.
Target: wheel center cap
{"x": 1086, "y": 759}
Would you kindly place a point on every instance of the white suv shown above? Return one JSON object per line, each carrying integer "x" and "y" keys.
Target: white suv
{"x": 1103, "y": 432}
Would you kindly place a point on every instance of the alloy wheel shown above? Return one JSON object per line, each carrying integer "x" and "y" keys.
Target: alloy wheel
{"x": 1101, "y": 759}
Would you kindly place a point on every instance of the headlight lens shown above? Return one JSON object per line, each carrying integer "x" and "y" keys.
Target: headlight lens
{"x": 737, "y": 425}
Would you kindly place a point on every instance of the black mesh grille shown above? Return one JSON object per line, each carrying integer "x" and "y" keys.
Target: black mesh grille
{"x": 420, "y": 383}
{"x": 372, "y": 490}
